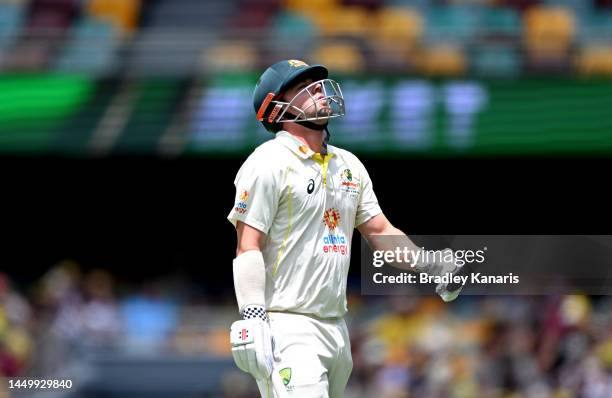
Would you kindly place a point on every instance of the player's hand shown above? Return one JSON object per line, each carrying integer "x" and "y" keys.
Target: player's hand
{"x": 253, "y": 347}
{"x": 446, "y": 294}
{"x": 446, "y": 266}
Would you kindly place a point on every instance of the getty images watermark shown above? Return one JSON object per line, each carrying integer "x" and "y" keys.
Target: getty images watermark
{"x": 422, "y": 259}
{"x": 487, "y": 264}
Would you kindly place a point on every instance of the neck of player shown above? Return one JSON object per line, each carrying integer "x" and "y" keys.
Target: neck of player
{"x": 313, "y": 139}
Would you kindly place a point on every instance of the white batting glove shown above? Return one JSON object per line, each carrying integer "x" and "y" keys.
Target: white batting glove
{"x": 253, "y": 346}
{"x": 445, "y": 294}
{"x": 440, "y": 268}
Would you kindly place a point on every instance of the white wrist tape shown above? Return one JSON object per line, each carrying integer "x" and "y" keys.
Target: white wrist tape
{"x": 250, "y": 279}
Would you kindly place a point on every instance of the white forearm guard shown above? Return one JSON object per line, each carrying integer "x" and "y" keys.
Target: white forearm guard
{"x": 250, "y": 279}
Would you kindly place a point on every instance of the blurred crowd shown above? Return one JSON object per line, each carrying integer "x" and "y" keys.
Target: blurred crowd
{"x": 70, "y": 313}
{"x": 402, "y": 346}
{"x": 482, "y": 347}
{"x": 16, "y": 326}
{"x": 431, "y": 37}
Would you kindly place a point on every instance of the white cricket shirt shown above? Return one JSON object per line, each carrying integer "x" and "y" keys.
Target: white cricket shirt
{"x": 308, "y": 206}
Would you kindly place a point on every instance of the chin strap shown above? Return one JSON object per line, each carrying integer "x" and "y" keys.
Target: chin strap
{"x": 308, "y": 124}
{"x": 326, "y": 139}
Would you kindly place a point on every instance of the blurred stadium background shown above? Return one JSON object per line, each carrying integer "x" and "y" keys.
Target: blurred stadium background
{"x": 145, "y": 80}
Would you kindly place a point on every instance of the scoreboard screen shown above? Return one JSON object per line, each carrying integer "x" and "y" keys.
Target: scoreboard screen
{"x": 430, "y": 117}
{"x": 385, "y": 116}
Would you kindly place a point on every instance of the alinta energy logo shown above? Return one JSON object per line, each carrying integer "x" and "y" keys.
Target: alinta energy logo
{"x": 334, "y": 242}
{"x": 241, "y": 206}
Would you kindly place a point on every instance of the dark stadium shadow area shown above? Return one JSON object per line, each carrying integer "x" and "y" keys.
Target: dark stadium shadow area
{"x": 142, "y": 217}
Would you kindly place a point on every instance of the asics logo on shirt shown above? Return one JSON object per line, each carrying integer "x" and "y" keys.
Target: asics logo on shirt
{"x": 310, "y": 186}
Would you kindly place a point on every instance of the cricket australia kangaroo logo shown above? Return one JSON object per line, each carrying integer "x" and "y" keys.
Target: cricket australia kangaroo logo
{"x": 285, "y": 375}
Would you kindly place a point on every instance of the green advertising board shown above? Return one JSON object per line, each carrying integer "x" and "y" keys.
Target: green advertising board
{"x": 418, "y": 116}
{"x": 385, "y": 116}
{"x": 33, "y": 107}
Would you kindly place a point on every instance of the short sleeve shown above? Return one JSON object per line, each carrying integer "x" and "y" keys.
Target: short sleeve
{"x": 368, "y": 203}
{"x": 257, "y": 196}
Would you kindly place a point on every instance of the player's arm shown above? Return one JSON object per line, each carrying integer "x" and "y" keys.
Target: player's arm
{"x": 251, "y": 338}
{"x": 255, "y": 206}
{"x": 374, "y": 226}
{"x": 256, "y": 203}
{"x": 250, "y": 272}
{"x": 249, "y": 238}
{"x": 382, "y": 235}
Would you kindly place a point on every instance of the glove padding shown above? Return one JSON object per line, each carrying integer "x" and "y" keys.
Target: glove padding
{"x": 445, "y": 267}
{"x": 445, "y": 294}
{"x": 253, "y": 347}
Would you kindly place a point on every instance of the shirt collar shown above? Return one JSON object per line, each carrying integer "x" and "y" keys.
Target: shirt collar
{"x": 296, "y": 146}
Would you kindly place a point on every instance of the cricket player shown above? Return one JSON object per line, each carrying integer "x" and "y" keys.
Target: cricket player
{"x": 297, "y": 203}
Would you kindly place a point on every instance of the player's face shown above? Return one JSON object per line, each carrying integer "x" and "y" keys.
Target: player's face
{"x": 309, "y": 98}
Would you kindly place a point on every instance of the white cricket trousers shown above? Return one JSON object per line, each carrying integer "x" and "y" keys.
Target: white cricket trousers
{"x": 315, "y": 356}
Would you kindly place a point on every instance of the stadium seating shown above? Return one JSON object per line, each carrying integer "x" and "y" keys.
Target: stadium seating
{"x": 123, "y": 14}
{"x": 396, "y": 36}
{"x": 91, "y": 48}
{"x": 294, "y": 25}
{"x": 343, "y": 22}
{"x": 175, "y": 37}
{"x": 500, "y": 22}
{"x": 188, "y": 14}
{"x": 452, "y": 23}
{"x": 595, "y": 60}
{"x": 401, "y": 26}
{"x": 420, "y": 4}
{"x": 194, "y": 39}
{"x": 305, "y": 6}
{"x": 579, "y": 8}
{"x": 49, "y": 17}
{"x": 496, "y": 60}
{"x": 236, "y": 55}
{"x": 11, "y": 19}
{"x": 340, "y": 57}
{"x": 597, "y": 27}
{"x": 549, "y": 32}
{"x": 442, "y": 60}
